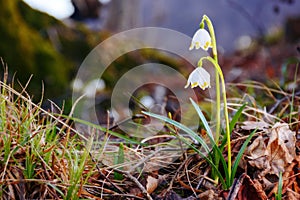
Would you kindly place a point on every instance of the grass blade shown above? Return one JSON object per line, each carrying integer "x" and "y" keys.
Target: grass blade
{"x": 56, "y": 189}
{"x": 98, "y": 127}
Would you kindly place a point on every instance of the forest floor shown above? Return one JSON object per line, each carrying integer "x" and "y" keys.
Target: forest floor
{"x": 43, "y": 156}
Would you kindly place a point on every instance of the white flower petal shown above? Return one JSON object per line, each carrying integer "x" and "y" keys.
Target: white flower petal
{"x": 201, "y": 39}
{"x": 199, "y": 77}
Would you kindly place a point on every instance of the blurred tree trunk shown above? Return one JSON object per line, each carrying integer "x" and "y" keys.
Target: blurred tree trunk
{"x": 123, "y": 15}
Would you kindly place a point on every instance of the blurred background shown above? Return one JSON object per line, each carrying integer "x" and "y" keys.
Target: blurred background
{"x": 48, "y": 40}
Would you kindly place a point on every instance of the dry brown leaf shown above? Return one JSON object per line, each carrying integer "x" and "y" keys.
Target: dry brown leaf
{"x": 257, "y": 153}
{"x": 208, "y": 195}
{"x": 274, "y": 153}
{"x": 291, "y": 195}
{"x": 252, "y": 190}
{"x": 245, "y": 189}
{"x": 152, "y": 184}
{"x": 252, "y": 125}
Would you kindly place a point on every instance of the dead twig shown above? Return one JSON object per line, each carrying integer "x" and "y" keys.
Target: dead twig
{"x": 235, "y": 188}
{"x": 136, "y": 181}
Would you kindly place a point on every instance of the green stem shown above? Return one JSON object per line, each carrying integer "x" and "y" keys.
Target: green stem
{"x": 212, "y": 35}
{"x": 206, "y": 19}
{"x": 215, "y": 56}
{"x": 220, "y": 73}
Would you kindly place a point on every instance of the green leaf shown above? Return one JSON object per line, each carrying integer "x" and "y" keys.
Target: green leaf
{"x": 217, "y": 153}
{"x": 119, "y": 159}
{"x": 240, "y": 154}
{"x": 278, "y": 196}
{"x": 182, "y": 127}
{"x": 207, "y": 159}
{"x": 204, "y": 121}
{"x": 236, "y": 117}
{"x": 202, "y": 142}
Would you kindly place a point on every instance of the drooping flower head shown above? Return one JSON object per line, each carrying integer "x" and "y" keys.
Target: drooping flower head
{"x": 199, "y": 77}
{"x": 201, "y": 39}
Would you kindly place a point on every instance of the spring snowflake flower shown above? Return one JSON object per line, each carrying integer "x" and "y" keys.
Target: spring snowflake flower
{"x": 201, "y": 39}
{"x": 199, "y": 77}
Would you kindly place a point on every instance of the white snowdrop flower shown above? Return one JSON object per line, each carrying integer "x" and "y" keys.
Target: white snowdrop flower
{"x": 199, "y": 77}
{"x": 201, "y": 39}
